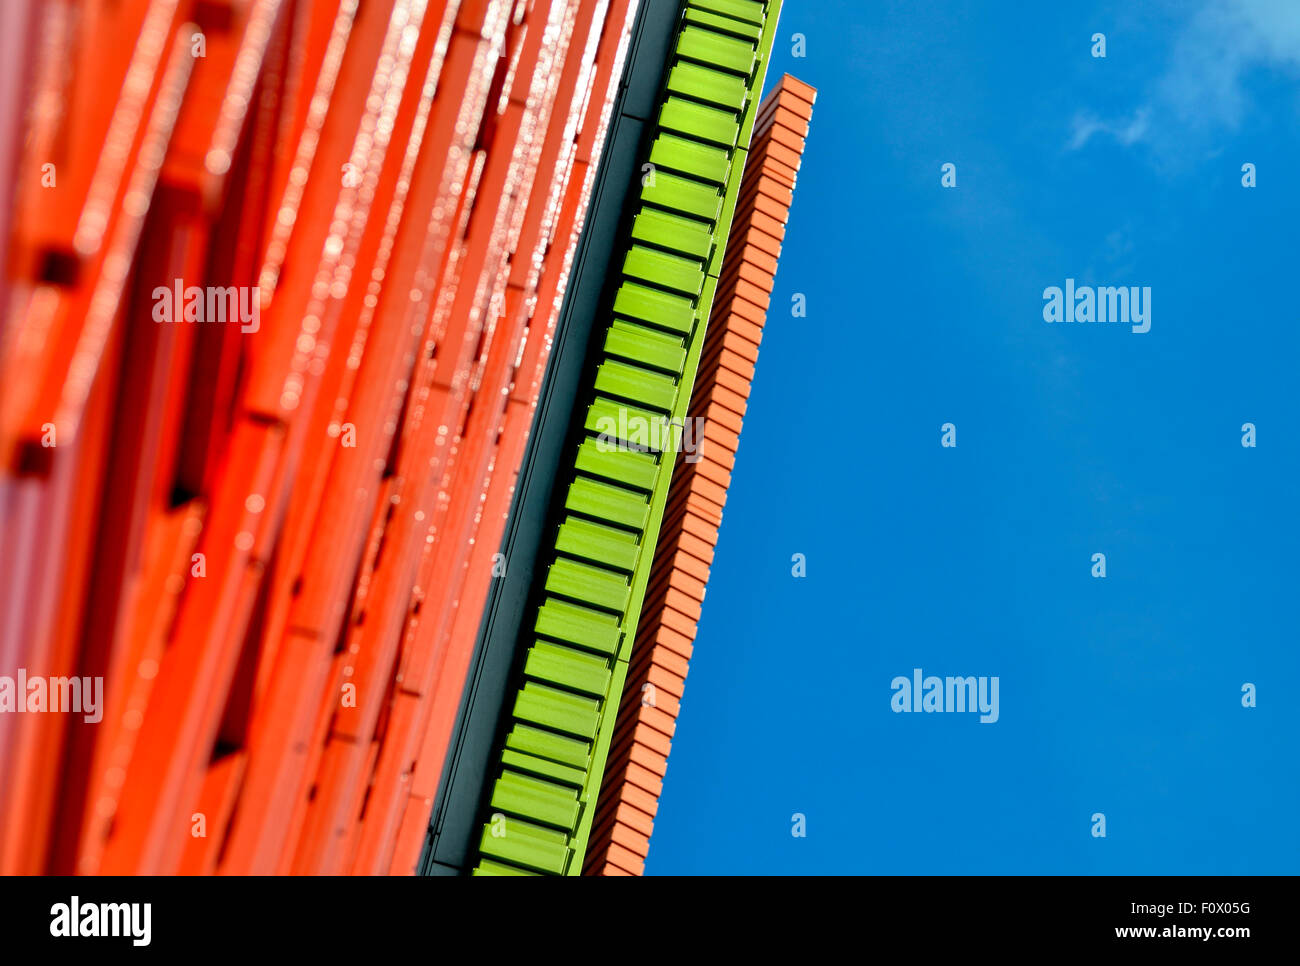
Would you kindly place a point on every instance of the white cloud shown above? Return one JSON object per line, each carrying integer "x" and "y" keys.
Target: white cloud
{"x": 1204, "y": 85}
{"x": 1126, "y": 132}
{"x": 1203, "y": 88}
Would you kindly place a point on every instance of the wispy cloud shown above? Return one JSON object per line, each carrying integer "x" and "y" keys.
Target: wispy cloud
{"x": 1223, "y": 42}
{"x": 1204, "y": 86}
{"x": 1126, "y": 132}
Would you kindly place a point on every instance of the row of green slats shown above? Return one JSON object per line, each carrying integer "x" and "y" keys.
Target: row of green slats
{"x": 604, "y": 542}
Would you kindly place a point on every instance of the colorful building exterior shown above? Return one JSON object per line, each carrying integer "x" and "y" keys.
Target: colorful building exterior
{"x": 309, "y": 317}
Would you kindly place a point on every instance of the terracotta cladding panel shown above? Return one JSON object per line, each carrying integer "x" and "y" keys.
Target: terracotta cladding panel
{"x": 730, "y": 400}
{"x": 679, "y": 580}
{"x": 691, "y": 536}
{"x": 782, "y": 114}
{"x": 621, "y": 835}
{"x": 602, "y": 832}
{"x": 642, "y": 778}
{"x": 665, "y": 704}
{"x": 701, "y": 506}
{"x": 795, "y": 105}
{"x": 621, "y": 858}
{"x": 718, "y": 354}
{"x": 682, "y": 513}
{"x": 663, "y": 646}
{"x": 773, "y": 207}
{"x": 626, "y": 742}
{"x": 787, "y": 85}
{"x": 745, "y": 329}
{"x": 768, "y": 224}
{"x": 671, "y": 648}
{"x": 781, "y": 173}
{"x": 782, "y": 135}
{"x": 711, "y": 411}
{"x": 733, "y": 342}
{"x": 784, "y": 100}
{"x": 638, "y": 798}
{"x": 705, "y": 513}
{"x": 720, "y": 376}
{"x": 718, "y": 447}
{"x": 771, "y": 198}
{"x": 741, "y": 271}
{"x": 715, "y": 473}
{"x": 770, "y": 188}
{"x": 694, "y": 511}
{"x": 761, "y": 240}
{"x": 673, "y": 619}
{"x": 644, "y": 735}
{"x": 640, "y": 755}
{"x": 691, "y": 566}
{"x": 688, "y": 542}
{"x": 309, "y": 787}
{"x": 748, "y": 306}
{"x": 634, "y": 818}
{"x": 663, "y": 679}
{"x": 782, "y": 162}
{"x": 757, "y": 257}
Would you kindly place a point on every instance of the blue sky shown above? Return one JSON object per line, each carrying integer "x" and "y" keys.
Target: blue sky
{"x": 1119, "y": 695}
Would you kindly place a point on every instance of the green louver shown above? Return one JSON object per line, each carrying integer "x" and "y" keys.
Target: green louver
{"x": 592, "y": 576}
